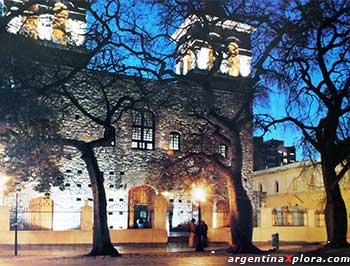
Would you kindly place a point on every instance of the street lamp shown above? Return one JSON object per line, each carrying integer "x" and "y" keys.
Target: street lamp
{"x": 198, "y": 195}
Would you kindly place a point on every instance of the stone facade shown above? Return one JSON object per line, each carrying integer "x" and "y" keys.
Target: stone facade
{"x": 126, "y": 168}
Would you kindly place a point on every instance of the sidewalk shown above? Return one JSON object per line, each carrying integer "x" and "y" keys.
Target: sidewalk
{"x": 134, "y": 249}
{"x": 144, "y": 255}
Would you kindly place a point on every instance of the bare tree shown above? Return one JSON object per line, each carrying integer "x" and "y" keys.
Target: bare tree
{"x": 207, "y": 105}
{"x": 40, "y": 93}
{"x": 310, "y": 65}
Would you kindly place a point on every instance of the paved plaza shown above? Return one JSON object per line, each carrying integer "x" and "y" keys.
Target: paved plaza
{"x": 133, "y": 255}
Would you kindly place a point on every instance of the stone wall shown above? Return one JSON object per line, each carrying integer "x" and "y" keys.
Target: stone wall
{"x": 124, "y": 167}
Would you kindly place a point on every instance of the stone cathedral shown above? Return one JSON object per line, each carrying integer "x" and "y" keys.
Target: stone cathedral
{"x": 143, "y": 136}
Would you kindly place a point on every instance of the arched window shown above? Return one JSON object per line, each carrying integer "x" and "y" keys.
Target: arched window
{"x": 260, "y": 188}
{"x": 233, "y": 60}
{"x": 174, "y": 141}
{"x": 277, "y": 187}
{"x": 59, "y": 24}
{"x": 142, "y": 130}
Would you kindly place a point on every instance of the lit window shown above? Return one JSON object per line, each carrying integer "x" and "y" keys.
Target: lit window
{"x": 45, "y": 27}
{"x": 174, "y": 143}
{"x": 59, "y": 24}
{"x": 233, "y": 60}
{"x": 223, "y": 150}
{"x": 142, "y": 134}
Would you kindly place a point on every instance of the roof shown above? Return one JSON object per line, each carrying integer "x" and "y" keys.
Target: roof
{"x": 286, "y": 167}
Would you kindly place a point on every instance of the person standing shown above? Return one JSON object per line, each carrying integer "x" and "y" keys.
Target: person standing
{"x": 204, "y": 234}
{"x": 192, "y": 235}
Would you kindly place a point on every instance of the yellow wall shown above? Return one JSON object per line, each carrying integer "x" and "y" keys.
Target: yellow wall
{"x": 291, "y": 234}
{"x": 84, "y": 236}
{"x": 299, "y": 183}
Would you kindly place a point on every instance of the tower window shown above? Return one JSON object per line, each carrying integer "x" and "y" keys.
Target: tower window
{"x": 142, "y": 130}
{"x": 277, "y": 187}
{"x": 223, "y": 150}
{"x": 59, "y": 23}
{"x": 174, "y": 143}
{"x": 260, "y": 188}
{"x": 44, "y": 27}
{"x": 233, "y": 60}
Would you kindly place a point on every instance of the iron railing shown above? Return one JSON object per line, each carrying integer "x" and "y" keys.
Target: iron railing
{"x": 45, "y": 220}
{"x": 288, "y": 217}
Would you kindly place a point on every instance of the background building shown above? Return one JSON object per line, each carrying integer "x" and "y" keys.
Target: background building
{"x": 272, "y": 153}
{"x": 292, "y": 202}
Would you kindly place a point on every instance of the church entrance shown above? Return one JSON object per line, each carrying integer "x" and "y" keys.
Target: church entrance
{"x": 141, "y": 207}
{"x": 141, "y": 216}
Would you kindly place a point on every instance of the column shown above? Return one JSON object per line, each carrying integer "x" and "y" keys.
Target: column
{"x": 160, "y": 205}
{"x": 86, "y": 217}
{"x": 266, "y": 217}
{"x": 207, "y": 211}
{"x": 4, "y": 218}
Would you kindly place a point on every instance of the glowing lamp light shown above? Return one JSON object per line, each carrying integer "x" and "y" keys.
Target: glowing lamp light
{"x": 3, "y": 181}
{"x": 165, "y": 193}
{"x": 198, "y": 194}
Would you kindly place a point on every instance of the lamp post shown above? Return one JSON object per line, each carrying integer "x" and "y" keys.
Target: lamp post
{"x": 16, "y": 224}
{"x": 199, "y": 197}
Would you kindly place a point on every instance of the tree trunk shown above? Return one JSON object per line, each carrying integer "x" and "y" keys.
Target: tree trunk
{"x": 240, "y": 205}
{"x": 102, "y": 244}
{"x": 335, "y": 212}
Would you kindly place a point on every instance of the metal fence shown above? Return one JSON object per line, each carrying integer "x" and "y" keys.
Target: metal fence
{"x": 320, "y": 219}
{"x": 45, "y": 220}
{"x": 288, "y": 217}
{"x": 257, "y": 218}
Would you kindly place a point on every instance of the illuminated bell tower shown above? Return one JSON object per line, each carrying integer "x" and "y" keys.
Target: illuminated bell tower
{"x": 215, "y": 52}
{"x": 50, "y": 32}
{"x": 201, "y": 39}
{"x": 61, "y": 22}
